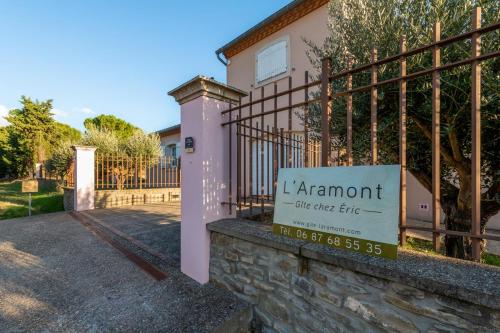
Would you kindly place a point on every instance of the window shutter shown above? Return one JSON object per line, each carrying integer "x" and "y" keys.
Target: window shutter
{"x": 272, "y": 61}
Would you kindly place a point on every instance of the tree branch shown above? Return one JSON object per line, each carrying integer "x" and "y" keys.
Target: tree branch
{"x": 461, "y": 167}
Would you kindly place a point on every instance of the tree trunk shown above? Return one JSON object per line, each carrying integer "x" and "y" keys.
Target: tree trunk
{"x": 457, "y": 220}
{"x": 458, "y": 216}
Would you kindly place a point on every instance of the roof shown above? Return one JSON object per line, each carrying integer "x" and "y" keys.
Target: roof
{"x": 170, "y": 129}
{"x": 277, "y": 21}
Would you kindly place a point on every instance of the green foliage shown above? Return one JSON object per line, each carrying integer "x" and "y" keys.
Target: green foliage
{"x": 29, "y": 135}
{"x": 13, "y": 203}
{"x": 104, "y": 122}
{"x": 141, "y": 143}
{"x": 65, "y": 133}
{"x": 355, "y": 27}
{"x": 109, "y": 142}
{"x": 426, "y": 246}
{"x": 490, "y": 259}
{"x": 105, "y": 140}
{"x": 60, "y": 161}
{"x": 5, "y": 163}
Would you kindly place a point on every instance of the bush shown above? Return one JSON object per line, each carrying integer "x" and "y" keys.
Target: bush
{"x": 60, "y": 160}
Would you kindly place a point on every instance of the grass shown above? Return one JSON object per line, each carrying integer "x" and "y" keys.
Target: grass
{"x": 412, "y": 243}
{"x": 13, "y": 203}
{"x": 422, "y": 245}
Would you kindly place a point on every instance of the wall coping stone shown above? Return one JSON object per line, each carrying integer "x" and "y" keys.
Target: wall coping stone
{"x": 204, "y": 86}
{"x": 468, "y": 281}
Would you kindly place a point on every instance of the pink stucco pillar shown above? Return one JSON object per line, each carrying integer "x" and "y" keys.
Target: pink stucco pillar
{"x": 84, "y": 178}
{"x": 205, "y": 171}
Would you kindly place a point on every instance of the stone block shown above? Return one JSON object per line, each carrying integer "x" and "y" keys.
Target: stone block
{"x": 277, "y": 308}
{"x": 329, "y": 297}
{"x": 253, "y": 272}
{"x": 302, "y": 284}
{"x": 231, "y": 255}
{"x": 281, "y": 327}
{"x": 247, "y": 259}
{"x": 243, "y": 278}
{"x": 263, "y": 285}
{"x": 319, "y": 278}
{"x": 263, "y": 317}
{"x": 374, "y": 314}
{"x": 280, "y": 278}
{"x": 249, "y": 290}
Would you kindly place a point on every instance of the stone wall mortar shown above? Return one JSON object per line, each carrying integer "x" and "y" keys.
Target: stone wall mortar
{"x": 329, "y": 298}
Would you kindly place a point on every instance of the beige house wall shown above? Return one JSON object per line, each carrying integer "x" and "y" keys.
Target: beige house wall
{"x": 170, "y": 139}
{"x": 241, "y": 67}
{"x": 313, "y": 27}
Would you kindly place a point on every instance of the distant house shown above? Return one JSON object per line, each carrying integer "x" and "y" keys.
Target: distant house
{"x": 170, "y": 138}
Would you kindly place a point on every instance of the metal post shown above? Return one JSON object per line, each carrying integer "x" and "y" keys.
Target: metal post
{"x": 349, "y": 112}
{"x": 262, "y": 188}
{"x": 476, "y": 136}
{"x": 250, "y": 158}
{"x": 436, "y": 139}
{"x": 275, "y": 141}
{"x": 373, "y": 108}
{"x": 326, "y": 65}
{"x": 402, "y": 141}
{"x": 289, "y": 134}
{"x": 29, "y": 204}
{"x": 230, "y": 180}
{"x": 306, "y": 120}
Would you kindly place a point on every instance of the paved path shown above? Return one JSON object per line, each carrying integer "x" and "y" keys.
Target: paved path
{"x": 57, "y": 276}
{"x": 155, "y": 227}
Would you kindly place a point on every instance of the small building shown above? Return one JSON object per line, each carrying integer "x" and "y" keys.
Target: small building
{"x": 170, "y": 138}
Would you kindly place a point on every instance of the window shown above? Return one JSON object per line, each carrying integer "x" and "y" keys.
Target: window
{"x": 172, "y": 150}
{"x": 272, "y": 60}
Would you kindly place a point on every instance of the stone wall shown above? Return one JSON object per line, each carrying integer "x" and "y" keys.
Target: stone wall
{"x": 114, "y": 198}
{"x": 68, "y": 199}
{"x": 300, "y": 287}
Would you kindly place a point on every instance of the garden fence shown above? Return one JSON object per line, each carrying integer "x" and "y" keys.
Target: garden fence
{"x": 120, "y": 172}
{"x": 273, "y": 131}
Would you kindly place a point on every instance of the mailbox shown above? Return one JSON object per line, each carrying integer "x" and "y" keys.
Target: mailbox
{"x": 189, "y": 144}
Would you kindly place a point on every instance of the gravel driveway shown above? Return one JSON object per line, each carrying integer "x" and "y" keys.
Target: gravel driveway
{"x": 58, "y": 276}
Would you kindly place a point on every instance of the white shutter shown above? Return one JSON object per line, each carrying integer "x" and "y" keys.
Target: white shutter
{"x": 272, "y": 61}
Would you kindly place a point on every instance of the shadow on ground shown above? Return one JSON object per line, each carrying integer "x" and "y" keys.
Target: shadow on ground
{"x": 56, "y": 276}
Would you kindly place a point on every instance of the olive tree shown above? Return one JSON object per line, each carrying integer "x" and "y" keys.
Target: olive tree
{"x": 60, "y": 161}
{"x": 108, "y": 142}
{"x": 358, "y": 25}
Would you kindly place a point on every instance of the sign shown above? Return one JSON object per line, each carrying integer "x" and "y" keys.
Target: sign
{"x": 29, "y": 186}
{"x": 189, "y": 145}
{"x": 353, "y": 208}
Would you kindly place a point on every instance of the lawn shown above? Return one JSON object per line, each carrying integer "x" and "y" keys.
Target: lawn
{"x": 426, "y": 246}
{"x": 13, "y": 203}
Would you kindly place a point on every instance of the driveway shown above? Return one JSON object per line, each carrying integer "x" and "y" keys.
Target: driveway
{"x": 59, "y": 274}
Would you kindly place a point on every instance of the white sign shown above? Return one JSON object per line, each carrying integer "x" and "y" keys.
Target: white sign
{"x": 354, "y": 208}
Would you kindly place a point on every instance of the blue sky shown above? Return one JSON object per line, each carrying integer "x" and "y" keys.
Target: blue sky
{"x": 116, "y": 56}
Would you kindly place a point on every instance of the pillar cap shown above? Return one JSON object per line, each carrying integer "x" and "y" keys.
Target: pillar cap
{"x": 78, "y": 147}
{"x": 204, "y": 86}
